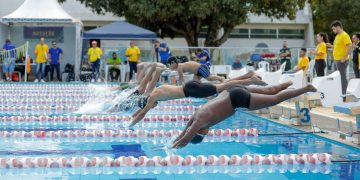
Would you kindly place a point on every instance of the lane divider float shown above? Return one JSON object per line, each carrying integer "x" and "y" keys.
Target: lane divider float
{"x": 122, "y": 133}
{"x": 174, "y": 160}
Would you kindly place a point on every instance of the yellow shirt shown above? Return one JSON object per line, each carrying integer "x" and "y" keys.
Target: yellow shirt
{"x": 321, "y": 48}
{"x": 340, "y": 46}
{"x": 133, "y": 53}
{"x": 303, "y": 62}
{"x": 94, "y": 54}
{"x": 41, "y": 52}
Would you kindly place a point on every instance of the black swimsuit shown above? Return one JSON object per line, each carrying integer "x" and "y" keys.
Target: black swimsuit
{"x": 239, "y": 96}
{"x": 199, "y": 90}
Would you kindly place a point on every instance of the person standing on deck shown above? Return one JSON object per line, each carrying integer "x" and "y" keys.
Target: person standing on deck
{"x": 56, "y": 55}
{"x": 285, "y": 56}
{"x": 41, "y": 56}
{"x": 355, "y": 58}
{"x": 341, "y": 51}
{"x": 9, "y": 61}
{"x": 320, "y": 54}
{"x": 133, "y": 57}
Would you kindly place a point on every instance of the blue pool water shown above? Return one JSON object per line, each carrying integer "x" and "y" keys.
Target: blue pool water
{"x": 103, "y": 147}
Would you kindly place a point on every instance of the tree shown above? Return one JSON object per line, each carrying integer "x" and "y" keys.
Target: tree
{"x": 186, "y": 17}
{"x": 326, "y": 11}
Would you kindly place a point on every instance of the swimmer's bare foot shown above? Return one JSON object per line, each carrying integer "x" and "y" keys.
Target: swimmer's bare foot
{"x": 256, "y": 81}
{"x": 310, "y": 88}
{"x": 288, "y": 83}
{"x": 222, "y": 79}
{"x": 251, "y": 73}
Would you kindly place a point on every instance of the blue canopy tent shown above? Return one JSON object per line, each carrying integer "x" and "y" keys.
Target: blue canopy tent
{"x": 120, "y": 30}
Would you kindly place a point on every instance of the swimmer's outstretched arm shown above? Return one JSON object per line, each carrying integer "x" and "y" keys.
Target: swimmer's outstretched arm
{"x": 188, "y": 136}
{"x": 140, "y": 114}
{"x": 186, "y": 128}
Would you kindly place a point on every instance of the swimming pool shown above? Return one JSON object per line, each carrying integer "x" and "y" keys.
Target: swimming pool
{"x": 102, "y": 146}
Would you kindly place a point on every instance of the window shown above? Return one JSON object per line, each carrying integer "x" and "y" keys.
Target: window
{"x": 263, "y": 33}
{"x": 291, "y": 34}
{"x": 239, "y": 33}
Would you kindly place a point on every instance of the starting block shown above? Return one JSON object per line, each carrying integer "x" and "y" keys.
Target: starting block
{"x": 351, "y": 108}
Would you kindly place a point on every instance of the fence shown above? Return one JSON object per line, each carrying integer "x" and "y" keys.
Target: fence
{"x": 221, "y": 55}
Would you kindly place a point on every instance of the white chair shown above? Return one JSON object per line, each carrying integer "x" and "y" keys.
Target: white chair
{"x": 282, "y": 67}
{"x": 220, "y": 69}
{"x": 273, "y": 78}
{"x": 265, "y": 65}
{"x": 297, "y": 79}
{"x": 329, "y": 89}
{"x": 310, "y": 72}
{"x": 353, "y": 88}
{"x": 237, "y": 73}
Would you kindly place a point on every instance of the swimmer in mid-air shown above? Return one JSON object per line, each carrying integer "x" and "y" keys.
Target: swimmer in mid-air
{"x": 146, "y": 86}
{"x": 225, "y": 105}
{"x": 199, "y": 70}
{"x": 190, "y": 89}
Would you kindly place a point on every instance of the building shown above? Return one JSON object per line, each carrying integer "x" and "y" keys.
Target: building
{"x": 257, "y": 32}
{"x": 262, "y": 31}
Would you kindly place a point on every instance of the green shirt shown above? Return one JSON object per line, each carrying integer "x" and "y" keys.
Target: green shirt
{"x": 112, "y": 60}
{"x": 284, "y": 50}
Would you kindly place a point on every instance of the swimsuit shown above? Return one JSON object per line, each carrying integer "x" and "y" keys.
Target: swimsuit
{"x": 199, "y": 90}
{"x": 203, "y": 71}
{"x": 239, "y": 97}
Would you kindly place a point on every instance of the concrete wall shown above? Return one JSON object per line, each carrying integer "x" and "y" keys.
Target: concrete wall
{"x": 68, "y": 46}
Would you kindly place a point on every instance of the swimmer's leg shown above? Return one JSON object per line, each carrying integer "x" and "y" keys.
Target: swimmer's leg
{"x": 215, "y": 78}
{"x": 146, "y": 80}
{"x": 243, "y": 77}
{"x": 152, "y": 84}
{"x": 259, "y": 101}
{"x": 270, "y": 90}
{"x": 141, "y": 72}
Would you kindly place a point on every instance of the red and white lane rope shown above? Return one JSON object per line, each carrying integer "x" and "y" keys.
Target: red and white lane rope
{"x": 174, "y": 160}
{"x": 92, "y": 118}
{"x": 123, "y": 133}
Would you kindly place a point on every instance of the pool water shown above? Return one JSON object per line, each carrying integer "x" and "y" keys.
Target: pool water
{"x": 103, "y": 147}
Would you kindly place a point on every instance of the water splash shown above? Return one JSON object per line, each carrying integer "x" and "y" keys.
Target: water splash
{"x": 103, "y": 100}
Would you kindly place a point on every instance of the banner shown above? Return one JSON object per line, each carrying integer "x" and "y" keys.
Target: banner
{"x": 49, "y": 33}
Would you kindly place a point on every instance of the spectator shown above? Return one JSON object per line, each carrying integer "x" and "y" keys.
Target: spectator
{"x": 356, "y": 49}
{"x": 320, "y": 54}
{"x": 94, "y": 54}
{"x": 56, "y": 55}
{"x": 133, "y": 57}
{"x": 237, "y": 64}
{"x": 202, "y": 56}
{"x": 342, "y": 49}
{"x": 41, "y": 56}
{"x": 115, "y": 61}
{"x": 303, "y": 62}
{"x": 9, "y": 61}
{"x": 163, "y": 50}
{"x": 285, "y": 56}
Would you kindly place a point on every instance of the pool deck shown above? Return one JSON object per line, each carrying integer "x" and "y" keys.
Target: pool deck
{"x": 324, "y": 118}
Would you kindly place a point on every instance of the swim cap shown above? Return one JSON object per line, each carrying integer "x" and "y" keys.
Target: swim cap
{"x": 142, "y": 102}
{"x": 198, "y": 138}
{"x": 171, "y": 60}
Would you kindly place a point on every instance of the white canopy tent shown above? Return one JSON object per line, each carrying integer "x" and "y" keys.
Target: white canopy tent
{"x": 47, "y": 13}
